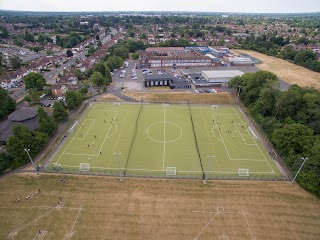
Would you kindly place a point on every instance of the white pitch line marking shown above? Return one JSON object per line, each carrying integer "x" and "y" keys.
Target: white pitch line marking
{"x": 206, "y": 225}
{"x": 164, "y": 137}
{"x": 74, "y": 223}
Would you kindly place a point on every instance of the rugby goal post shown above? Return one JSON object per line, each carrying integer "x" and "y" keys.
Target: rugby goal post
{"x": 84, "y": 167}
{"x": 243, "y": 172}
{"x": 171, "y": 171}
{"x": 252, "y": 134}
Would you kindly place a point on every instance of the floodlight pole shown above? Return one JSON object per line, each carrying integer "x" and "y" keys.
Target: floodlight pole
{"x": 304, "y": 160}
{"x": 208, "y": 167}
{"x": 118, "y": 157}
{"x": 27, "y": 151}
{"x": 239, "y": 89}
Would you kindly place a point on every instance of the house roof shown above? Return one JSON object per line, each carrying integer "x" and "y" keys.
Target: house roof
{"x": 22, "y": 114}
{"x": 150, "y": 49}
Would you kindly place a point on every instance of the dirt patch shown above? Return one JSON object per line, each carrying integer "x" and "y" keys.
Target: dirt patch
{"x": 183, "y": 97}
{"x": 107, "y": 97}
{"x": 285, "y": 70}
{"x": 105, "y": 208}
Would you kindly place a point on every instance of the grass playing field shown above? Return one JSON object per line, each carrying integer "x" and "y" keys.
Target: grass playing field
{"x": 157, "y": 140}
{"x": 105, "y": 208}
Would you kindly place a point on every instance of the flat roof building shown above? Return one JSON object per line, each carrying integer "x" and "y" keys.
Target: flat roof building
{"x": 222, "y": 76}
{"x": 236, "y": 61}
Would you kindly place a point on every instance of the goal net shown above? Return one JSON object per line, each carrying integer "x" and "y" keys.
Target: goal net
{"x": 165, "y": 104}
{"x": 116, "y": 104}
{"x": 73, "y": 126}
{"x": 273, "y": 154}
{"x": 56, "y": 167}
{"x": 171, "y": 171}
{"x": 215, "y": 106}
{"x": 243, "y": 172}
{"x": 251, "y": 132}
{"x": 85, "y": 167}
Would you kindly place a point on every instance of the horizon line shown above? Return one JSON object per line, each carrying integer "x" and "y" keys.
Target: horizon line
{"x": 155, "y": 11}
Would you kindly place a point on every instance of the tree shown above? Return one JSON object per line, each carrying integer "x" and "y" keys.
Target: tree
{"x": 292, "y": 138}
{"x": 98, "y": 79}
{"x": 135, "y": 56}
{"x": 8, "y": 104}
{"x": 25, "y": 138}
{"x": 143, "y": 36}
{"x": 47, "y": 123}
{"x": 99, "y": 67}
{"x": 3, "y": 32}
{"x": 121, "y": 52}
{"x": 69, "y": 53}
{"x": 91, "y": 50}
{"x": 34, "y": 81}
{"x": 73, "y": 99}
{"x": 78, "y": 73}
{"x": 59, "y": 112}
{"x": 15, "y": 62}
{"x": 5, "y": 161}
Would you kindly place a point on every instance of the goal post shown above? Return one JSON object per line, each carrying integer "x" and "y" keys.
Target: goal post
{"x": 171, "y": 171}
{"x": 214, "y": 106}
{"x": 56, "y": 167}
{"x": 243, "y": 172}
{"x": 252, "y": 134}
{"x": 84, "y": 167}
{"x": 165, "y": 104}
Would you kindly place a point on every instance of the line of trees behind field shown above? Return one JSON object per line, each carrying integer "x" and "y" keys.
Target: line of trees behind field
{"x": 278, "y": 47}
{"x": 291, "y": 120}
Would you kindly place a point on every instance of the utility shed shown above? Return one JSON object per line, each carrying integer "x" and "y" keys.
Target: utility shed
{"x": 222, "y": 76}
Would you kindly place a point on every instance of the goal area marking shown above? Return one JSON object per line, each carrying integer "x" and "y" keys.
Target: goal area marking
{"x": 243, "y": 172}
{"x": 171, "y": 171}
{"x": 85, "y": 167}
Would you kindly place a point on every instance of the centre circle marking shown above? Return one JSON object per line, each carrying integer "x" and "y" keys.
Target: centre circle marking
{"x": 164, "y": 141}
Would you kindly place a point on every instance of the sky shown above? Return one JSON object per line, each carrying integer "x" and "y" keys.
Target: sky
{"x": 244, "y": 6}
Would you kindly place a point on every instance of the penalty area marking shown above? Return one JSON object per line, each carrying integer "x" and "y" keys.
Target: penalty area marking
{"x": 220, "y": 210}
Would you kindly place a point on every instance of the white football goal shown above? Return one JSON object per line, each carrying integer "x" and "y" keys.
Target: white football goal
{"x": 56, "y": 167}
{"x": 215, "y": 106}
{"x": 243, "y": 172}
{"x": 171, "y": 171}
{"x": 73, "y": 126}
{"x": 251, "y": 132}
{"x": 85, "y": 167}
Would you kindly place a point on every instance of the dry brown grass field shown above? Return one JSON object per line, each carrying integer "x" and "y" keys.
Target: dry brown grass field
{"x": 105, "y": 208}
{"x": 285, "y": 70}
{"x": 176, "y": 97}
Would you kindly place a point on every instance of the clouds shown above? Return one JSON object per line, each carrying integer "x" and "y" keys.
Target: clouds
{"x": 258, "y": 6}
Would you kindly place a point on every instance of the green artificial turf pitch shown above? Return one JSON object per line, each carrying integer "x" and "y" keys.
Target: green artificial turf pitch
{"x": 152, "y": 137}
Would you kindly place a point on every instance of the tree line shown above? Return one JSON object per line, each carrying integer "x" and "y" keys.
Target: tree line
{"x": 278, "y": 47}
{"x": 291, "y": 120}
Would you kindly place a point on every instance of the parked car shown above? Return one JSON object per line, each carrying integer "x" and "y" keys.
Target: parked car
{"x": 196, "y": 91}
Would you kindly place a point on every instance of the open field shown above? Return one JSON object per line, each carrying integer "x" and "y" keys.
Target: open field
{"x": 162, "y": 139}
{"x": 285, "y": 70}
{"x": 176, "y": 97}
{"x": 104, "y": 208}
